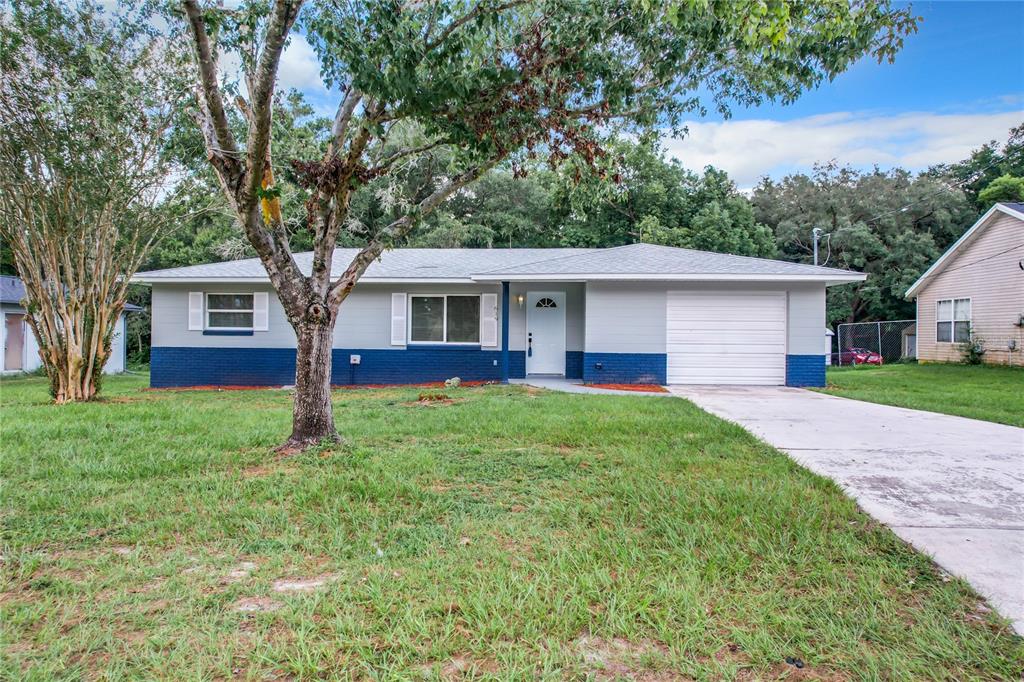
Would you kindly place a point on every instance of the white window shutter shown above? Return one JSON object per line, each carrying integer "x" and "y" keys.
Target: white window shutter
{"x": 260, "y": 311}
{"x": 398, "y": 308}
{"x": 195, "y": 311}
{"x": 488, "y": 319}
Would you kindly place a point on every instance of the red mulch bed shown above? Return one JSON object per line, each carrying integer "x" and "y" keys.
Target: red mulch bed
{"x": 639, "y": 388}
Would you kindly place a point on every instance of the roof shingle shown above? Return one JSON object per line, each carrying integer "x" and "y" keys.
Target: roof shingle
{"x": 646, "y": 260}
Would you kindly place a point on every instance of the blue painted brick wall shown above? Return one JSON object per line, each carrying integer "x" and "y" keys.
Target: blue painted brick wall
{"x": 184, "y": 366}
{"x": 177, "y": 366}
{"x": 415, "y": 365}
{"x": 624, "y": 368}
{"x": 573, "y": 364}
{"x": 805, "y": 370}
{"x": 517, "y": 364}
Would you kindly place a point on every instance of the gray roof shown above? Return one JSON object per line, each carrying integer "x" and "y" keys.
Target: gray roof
{"x": 12, "y": 290}
{"x": 394, "y": 264}
{"x": 1015, "y": 205}
{"x": 645, "y": 261}
{"x": 653, "y": 260}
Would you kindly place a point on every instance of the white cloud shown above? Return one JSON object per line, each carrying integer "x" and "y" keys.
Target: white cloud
{"x": 752, "y": 148}
{"x": 300, "y": 67}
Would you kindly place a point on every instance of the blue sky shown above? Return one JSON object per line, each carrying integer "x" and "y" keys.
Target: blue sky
{"x": 957, "y": 83}
{"x": 965, "y": 56}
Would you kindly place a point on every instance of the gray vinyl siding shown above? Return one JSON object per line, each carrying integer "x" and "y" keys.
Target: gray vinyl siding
{"x": 170, "y": 319}
{"x": 625, "y": 317}
{"x": 806, "y": 325}
{"x": 629, "y": 317}
{"x": 574, "y": 313}
{"x": 365, "y": 318}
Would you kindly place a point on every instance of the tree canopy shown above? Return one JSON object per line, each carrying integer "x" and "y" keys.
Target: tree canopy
{"x": 889, "y": 224}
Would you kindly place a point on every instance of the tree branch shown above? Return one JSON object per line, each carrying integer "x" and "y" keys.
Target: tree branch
{"x": 284, "y": 14}
{"x": 339, "y": 130}
{"x": 213, "y": 103}
{"x": 340, "y": 290}
{"x": 402, "y": 153}
{"x": 468, "y": 17}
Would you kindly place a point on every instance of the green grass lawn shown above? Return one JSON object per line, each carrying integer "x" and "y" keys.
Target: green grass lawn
{"x": 992, "y": 393}
{"x": 509, "y": 534}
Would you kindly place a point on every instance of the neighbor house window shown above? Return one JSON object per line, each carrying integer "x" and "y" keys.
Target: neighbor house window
{"x": 953, "y": 320}
{"x": 445, "y": 319}
{"x": 229, "y": 311}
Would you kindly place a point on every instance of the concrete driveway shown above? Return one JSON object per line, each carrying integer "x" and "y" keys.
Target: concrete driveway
{"x": 952, "y": 487}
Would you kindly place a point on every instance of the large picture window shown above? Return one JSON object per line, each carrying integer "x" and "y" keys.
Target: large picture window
{"x": 445, "y": 319}
{"x": 229, "y": 311}
{"x": 953, "y": 320}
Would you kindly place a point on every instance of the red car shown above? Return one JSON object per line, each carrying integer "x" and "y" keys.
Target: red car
{"x": 859, "y": 356}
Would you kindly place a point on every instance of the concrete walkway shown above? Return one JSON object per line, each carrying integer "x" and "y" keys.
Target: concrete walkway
{"x": 575, "y": 386}
{"x": 952, "y": 487}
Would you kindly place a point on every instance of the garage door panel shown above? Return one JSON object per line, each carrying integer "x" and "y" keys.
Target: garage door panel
{"x": 726, "y": 337}
{"x": 737, "y": 351}
{"x": 692, "y": 325}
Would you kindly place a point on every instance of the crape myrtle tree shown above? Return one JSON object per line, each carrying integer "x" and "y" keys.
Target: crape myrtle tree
{"x": 85, "y": 104}
{"x": 479, "y": 83}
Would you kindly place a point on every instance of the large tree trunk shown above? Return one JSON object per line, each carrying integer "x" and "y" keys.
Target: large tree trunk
{"x": 312, "y": 413}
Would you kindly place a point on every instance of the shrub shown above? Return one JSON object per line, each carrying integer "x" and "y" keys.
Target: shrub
{"x": 972, "y": 350}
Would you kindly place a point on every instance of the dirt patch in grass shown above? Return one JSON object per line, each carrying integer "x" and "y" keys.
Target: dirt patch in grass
{"x": 461, "y": 666}
{"x": 613, "y": 659}
{"x": 256, "y": 605}
{"x": 240, "y": 572}
{"x": 264, "y": 470}
{"x": 303, "y": 584}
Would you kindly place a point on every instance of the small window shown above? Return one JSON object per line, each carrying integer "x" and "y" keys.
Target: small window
{"x": 953, "y": 320}
{"x": 546, "y": 303}
{"x": 444, "y": 319}
{"x": 229, "y": 311}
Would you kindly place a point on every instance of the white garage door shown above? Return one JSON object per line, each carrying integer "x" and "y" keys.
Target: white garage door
{"x": 726, "y": 337}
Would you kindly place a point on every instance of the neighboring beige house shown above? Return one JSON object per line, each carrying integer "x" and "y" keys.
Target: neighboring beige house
{"x": 976, "y": 286}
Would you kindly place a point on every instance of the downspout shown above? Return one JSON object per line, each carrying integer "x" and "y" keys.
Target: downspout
{"x": 504, "y": 333}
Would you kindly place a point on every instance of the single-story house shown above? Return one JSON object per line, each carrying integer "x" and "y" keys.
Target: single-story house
{"x": 977, "y": 287}
{"x": 630, "y": 314}
{"x": 21, "y": 352}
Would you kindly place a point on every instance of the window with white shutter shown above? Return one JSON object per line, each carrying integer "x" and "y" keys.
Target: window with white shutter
{"x": 488, "y": 319}
{"x": 398, "y": 317}
{"x": 260, "y": 311}
{"x": 195, "y": 311}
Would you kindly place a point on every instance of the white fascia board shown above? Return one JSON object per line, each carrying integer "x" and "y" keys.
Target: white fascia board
{"x": 266, "y": 280}
{"x": 828, "y": 279}
{"x": 964, "y": 238}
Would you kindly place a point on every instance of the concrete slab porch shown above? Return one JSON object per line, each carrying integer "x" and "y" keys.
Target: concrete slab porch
{"x": 950, "y": 486}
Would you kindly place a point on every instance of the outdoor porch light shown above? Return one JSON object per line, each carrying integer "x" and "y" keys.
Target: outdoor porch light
{"x": 519, "y": 300}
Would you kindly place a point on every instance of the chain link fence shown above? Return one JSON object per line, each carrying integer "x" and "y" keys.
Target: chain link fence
{"x": 894, "y": 340}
